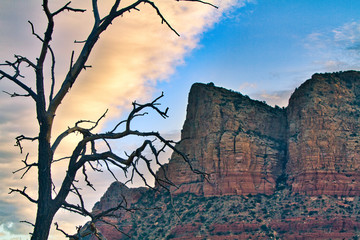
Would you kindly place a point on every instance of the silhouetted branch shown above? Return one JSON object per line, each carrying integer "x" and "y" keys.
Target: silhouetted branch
{"x": 62, "y": 231}
{"x": 66, "y": 7}
{"x": 16, "y": 94}
{"x": 114, "y": 226}
{"x": 27, "y": 222}
{"x": 22, "y": 192}
{"x": 18, "y": 82}
{"x": 199, "y": 1}
{"x": 52, "y": 74}
{"x": 96, "y": 12}
{"x": 21, "y": 138}
{"x": 34, "y": 33}
{"x": 88, "y": 183}
{"x": 27, "y": 166}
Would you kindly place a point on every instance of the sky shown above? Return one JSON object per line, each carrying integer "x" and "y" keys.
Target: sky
{"x": 261, "y": 48}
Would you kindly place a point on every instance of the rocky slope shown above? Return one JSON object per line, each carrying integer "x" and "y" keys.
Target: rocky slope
{"x": 274, "y": 173}
{"x": 282, "y": 215}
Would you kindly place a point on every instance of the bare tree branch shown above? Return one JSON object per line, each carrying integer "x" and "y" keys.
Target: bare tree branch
{"x": 16, "y": 94}
{"x": 52, "y": 74}
{"x": 34, "y": 33}
{"x": 27, "y": 166}
{"x": 66, "y": 7}
{"x": 115, "y": 13}
{"x": 19, "y": 83}
{"x": 22, "y": 192}
{"x": 77, "y": 128}
{"x": 27, "y": 222}
{"x": 62, "y": 231}
{"x": 203, "y": 2}
{"x": 96, "y": 12}
{"x": 114, "y": 226}
{"x": 21, "y": 138}
{"x": 88, "y": 183}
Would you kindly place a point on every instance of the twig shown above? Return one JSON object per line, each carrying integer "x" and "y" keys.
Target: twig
{"x": 27, "y": 166}
{"x": 16, "y": 94}
{"x": 22, "y": 192}
{"x": 22, "y": 137}
{"x": 203, "y": 2}
{"x": 27, "y": 222}
{"x": 66, "y": 7}
{"x": 62, "y": 231}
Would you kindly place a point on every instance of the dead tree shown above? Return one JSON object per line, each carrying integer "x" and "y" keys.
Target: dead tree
{"x": 86, "y": 153}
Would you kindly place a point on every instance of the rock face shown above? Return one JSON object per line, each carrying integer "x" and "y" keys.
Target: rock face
{"x": 118, "y": 194}
{"x": 324, "y": 135}
{"x": 247, "y": 146}
{"x": 240, "y": 142}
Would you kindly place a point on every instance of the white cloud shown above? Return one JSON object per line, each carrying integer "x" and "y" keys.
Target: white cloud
{"x": 246, "y": 86}
{"x": 273, "y": 98}
{"x": 336, "y": 50}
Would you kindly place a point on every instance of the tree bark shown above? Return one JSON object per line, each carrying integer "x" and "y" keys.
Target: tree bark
{"x": 43, "y": 222}
{"x": 46, "y": 208}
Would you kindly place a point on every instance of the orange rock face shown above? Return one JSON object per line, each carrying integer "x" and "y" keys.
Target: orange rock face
{"x": 239, "y": 142}
{"x": 324, "y": 135}
{"x": 246, "y": 145}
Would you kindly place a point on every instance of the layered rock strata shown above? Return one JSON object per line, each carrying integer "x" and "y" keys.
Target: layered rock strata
{"x": 324, "y": 135}
{"x": 239, "y": 142}
{"x": 246, "y": 145}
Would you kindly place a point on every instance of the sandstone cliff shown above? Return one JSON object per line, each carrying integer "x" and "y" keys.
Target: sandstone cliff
{"x": 240, "y": 142}
{"x": 246, "y": 145}
{"x": 324, "y": 135}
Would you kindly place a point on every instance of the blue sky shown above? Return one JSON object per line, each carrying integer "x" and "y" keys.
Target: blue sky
{"x": 266, "y": 49}
{"x": 263, "y": 48}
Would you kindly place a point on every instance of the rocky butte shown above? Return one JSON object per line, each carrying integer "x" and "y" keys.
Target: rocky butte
{"x": 286, "y": 173}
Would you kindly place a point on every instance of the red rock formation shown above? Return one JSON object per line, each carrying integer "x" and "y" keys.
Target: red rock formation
{"x": 118, "y": 193}
{"x": 242, "y": 143}
{"x": 238, "y": 141}
{"x": 324, "y": 135}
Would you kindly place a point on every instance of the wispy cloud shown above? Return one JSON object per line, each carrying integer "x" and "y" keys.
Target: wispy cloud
{"x": 338, "y": 49}
{"x": 246, "y": 86}
{"x": 274, "y": 98}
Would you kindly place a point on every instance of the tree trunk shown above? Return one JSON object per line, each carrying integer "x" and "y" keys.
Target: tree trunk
{"x": 46, "y": 208}
{"x": 43, "y": 223}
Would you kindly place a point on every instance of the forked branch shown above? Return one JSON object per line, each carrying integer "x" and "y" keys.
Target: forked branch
{"x": 22, "y": 192}
{"x": 66, "y": 7}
